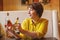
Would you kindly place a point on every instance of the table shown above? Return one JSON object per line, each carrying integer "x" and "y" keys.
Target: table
{"x": 48, "y": 38}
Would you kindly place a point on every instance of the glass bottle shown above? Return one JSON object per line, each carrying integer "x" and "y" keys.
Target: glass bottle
{"x": 8, "y": 25}
{"x": 16, "y": 28}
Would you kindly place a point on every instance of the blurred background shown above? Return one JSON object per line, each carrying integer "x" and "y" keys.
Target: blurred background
{"x": 17, "y": 5}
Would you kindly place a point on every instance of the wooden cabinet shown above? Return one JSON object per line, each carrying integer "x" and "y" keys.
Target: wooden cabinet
{"x": 1, "y": 5}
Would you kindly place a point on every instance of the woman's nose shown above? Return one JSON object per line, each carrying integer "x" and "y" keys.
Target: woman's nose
{"x": 28, "y": 12}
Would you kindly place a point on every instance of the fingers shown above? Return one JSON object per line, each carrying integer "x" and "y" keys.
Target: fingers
{"x": 16, "y": 25}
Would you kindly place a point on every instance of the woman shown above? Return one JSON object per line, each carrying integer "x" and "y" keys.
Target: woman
{"x": 34, "y": 27}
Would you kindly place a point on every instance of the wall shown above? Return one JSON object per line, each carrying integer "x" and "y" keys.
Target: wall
{"x": 10, "y": 4}
{"x": 13, "y": 5}
{"x": 53, "y": 5}
{"x": 16, "y": 5}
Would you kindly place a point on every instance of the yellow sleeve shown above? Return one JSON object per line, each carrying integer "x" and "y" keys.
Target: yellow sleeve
{"x": 22, "y": 35}
{"x": 24, "y": 26}
{"x": 42, "y": 29}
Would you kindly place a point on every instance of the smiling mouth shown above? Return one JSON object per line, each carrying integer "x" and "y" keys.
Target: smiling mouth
{"x": 29, "y": 14}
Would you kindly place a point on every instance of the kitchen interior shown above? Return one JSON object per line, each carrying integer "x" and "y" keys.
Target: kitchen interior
{"x": 18, "y": 5}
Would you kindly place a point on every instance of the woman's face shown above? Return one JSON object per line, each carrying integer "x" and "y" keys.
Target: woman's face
{"x": 32, "y": 13}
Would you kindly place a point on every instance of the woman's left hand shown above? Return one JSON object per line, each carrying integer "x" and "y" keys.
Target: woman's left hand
{"x": 18, "y": 26}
